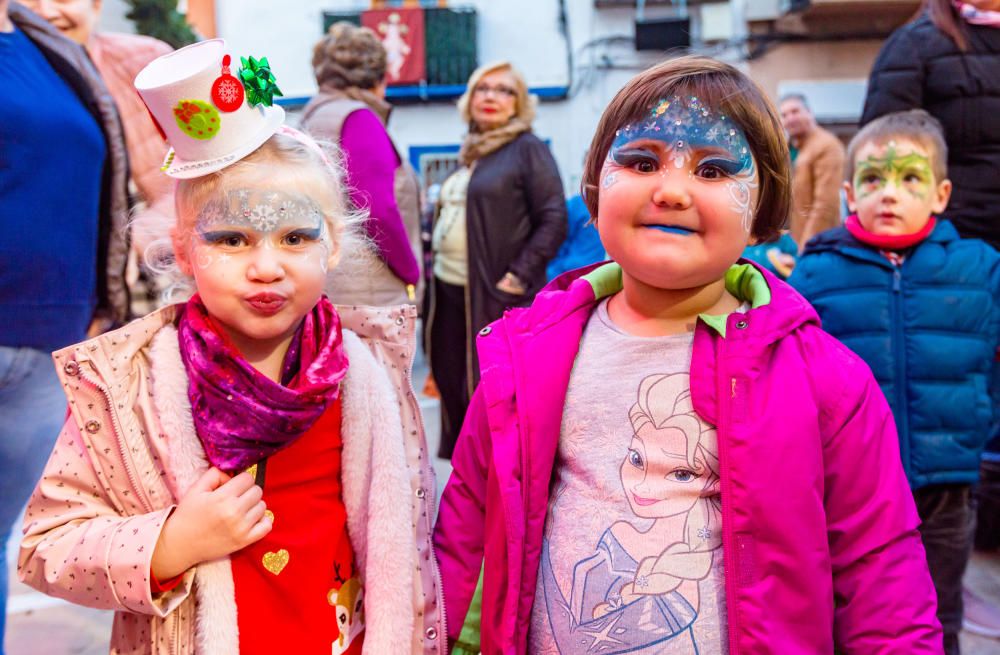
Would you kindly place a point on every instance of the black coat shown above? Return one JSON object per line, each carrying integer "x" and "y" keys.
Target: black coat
{"x": 921, "y": 67}
{"x": 515, "y": 217}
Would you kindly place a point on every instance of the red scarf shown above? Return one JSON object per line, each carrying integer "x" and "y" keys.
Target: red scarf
{"x": 893, "y": 242}
{"x": 242, "y": 416}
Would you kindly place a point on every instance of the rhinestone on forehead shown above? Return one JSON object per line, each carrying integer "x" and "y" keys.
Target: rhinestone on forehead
{"x": 263, "y": 210}
{"x": 684, "y": 121}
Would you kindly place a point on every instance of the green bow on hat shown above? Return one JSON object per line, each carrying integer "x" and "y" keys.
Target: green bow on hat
{"x": 259, "y": 82}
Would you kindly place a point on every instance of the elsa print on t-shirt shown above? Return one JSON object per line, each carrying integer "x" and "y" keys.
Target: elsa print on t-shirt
{"x": 633, "y": 594}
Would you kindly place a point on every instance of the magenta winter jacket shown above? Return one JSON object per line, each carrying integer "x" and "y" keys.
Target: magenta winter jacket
{"x": 820, "y": 534}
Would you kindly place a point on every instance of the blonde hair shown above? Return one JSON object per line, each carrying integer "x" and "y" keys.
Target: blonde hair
{"x": 664, "y": 401}
{"x": 525, "y": 104}
{"x": 282, "y": 162}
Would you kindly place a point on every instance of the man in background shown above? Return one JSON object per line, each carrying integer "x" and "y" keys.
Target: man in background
{"x": 817, "y": 171}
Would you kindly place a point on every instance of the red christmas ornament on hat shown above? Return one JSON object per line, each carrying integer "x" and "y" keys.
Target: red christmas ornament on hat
{"x": 227, "y": 91}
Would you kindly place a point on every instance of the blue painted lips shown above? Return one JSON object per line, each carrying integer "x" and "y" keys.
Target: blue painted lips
{"x": 672, "y": 229}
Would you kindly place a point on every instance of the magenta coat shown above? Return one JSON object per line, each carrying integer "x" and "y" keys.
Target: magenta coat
{"x": 820, "y": 536}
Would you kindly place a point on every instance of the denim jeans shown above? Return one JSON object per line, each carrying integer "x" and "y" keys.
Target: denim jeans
{"x": 948, "y": 514}
{"x": 32, "y": 409}
{"x": 988, "y": 499}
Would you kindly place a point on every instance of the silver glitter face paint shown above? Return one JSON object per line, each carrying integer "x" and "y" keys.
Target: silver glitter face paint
{"x": 261, "y": 211}
{"x": 266, "y": 219}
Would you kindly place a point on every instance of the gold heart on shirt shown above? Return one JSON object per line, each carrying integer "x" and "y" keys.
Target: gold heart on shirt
{"x": 276, "y": 562}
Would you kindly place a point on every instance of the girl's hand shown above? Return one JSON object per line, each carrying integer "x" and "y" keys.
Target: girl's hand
{"x": 219, "y": 515}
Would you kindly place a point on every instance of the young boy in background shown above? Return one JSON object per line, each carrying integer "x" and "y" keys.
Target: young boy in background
{"x": 921, "y": 306}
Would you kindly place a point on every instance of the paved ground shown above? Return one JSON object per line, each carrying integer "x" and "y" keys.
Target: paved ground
{"x": 39, "y": 625}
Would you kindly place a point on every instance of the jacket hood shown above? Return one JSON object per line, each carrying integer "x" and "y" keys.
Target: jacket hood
{"x": 772, "y": 318}
{"x": 839, "y": 238}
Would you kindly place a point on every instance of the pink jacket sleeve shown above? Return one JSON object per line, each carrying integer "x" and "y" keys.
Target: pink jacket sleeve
{"x": 884, "y": 598}
{"x": 77, "y": 546}
{"x": 459, "y": 536}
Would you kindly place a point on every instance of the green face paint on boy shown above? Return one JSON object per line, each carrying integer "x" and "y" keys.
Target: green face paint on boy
{"x": 894, "y": 190}
{"x": 911, "y": 172}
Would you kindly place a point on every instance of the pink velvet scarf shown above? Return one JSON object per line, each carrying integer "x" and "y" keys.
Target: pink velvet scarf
{"x": 242, "y": 416}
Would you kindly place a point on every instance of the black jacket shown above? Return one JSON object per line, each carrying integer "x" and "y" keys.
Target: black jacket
{"x": 921, "y": 67}
{"x": 515, "y": 217}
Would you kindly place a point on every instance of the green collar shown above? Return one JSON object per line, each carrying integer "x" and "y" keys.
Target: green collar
{"x": 744, "y": 281}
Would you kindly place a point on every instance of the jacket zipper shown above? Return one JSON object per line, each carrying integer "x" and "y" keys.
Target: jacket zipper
{"x": 415, "y": 406}
{"x": 526, "y": 504}
{"x": 127, "y": 460}
{"x": 175, "y": 638}
{"x": 727, "y": 394}
{"x": 899, "y": 352}
{"x": 442, "y": 638}
{"x": 117, "y": 429}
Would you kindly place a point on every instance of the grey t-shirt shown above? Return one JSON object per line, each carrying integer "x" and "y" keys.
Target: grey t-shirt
{"x": 632, "y": 554}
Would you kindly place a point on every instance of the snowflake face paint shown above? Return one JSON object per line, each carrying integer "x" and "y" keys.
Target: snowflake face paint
{"x": 893, "y": 189}
{"x": 677, "y": 194}
{"x": 259, "y": 259}
{"x": 265, "y": 212}
{"x": 275, "y": 220}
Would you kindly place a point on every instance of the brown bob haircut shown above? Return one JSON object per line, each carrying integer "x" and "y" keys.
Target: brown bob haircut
{"x": 729, "y": 92}
{"x": 914, "y": 125}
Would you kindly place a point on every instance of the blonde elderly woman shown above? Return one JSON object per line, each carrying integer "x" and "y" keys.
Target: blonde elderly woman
{"x": 350, "y": 110}
{"x": 502, "y": 217}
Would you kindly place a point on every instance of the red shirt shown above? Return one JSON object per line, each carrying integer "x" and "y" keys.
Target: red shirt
{"x": 297, "y": 588}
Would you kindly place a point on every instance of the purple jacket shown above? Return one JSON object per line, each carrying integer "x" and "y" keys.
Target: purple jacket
{"x": 820, "y": 541}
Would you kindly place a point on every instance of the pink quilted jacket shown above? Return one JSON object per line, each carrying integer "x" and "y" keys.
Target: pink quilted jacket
{"x": 820, "y": 536}
{"x": 128, "y": 451}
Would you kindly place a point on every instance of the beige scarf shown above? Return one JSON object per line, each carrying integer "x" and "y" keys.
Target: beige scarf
{"x": 480, "y": 144}
{"x": 381, "y": 108}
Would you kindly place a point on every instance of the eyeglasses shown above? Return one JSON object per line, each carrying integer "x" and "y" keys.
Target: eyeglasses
{"x": 499, "y": 90}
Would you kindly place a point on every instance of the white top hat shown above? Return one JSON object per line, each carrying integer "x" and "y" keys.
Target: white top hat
{"x": 204, "y": 112}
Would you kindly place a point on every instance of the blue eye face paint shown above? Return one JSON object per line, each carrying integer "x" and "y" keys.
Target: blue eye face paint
{"x": 686, "y": 125}
{"x": 684, "y": 133}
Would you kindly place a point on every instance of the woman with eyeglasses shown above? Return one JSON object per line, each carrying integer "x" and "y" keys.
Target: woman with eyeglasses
{"x": 501, "y": 217}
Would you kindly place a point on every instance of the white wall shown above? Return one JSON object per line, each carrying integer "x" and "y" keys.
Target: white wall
{"x": 526, "y": 32}
{"x": 113, "y": 17}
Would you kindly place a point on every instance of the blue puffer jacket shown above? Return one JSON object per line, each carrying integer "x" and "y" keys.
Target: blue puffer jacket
{"x": 928, "y": 329}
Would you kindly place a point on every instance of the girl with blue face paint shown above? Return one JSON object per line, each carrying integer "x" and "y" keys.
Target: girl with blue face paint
{"x": 678, "y": 191}
{"x": 666, "y": 454}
